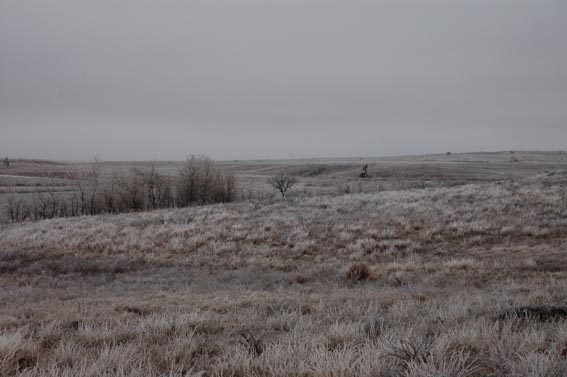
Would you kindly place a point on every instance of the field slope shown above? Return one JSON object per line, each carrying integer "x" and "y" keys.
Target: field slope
{"x": 402, "y": 282}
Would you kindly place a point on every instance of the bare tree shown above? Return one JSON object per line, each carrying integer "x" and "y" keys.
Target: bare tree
{"x": 7, "y": 162}
{"x": 79, "y": 201}
{"x": 86, "y": 184}
{"x": 109, "y": 194}
{"x": 229, "y": 188}
{"x": 94, "y": 181}
{"x": 282, "y": 182}
{"x": 40, "y": 205}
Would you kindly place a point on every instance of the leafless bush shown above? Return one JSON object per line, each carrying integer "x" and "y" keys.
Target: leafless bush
{"x": 131, "y": 191}
{"x": 109, "y": 194}
{"x": 18, "y": 208}
{"x": 200, "y": 182}
{"x": 48, "y": 203}
{"x": 87, "y": 189}
{"x": 96, "y": 191}
{"x": 159, "y": 190}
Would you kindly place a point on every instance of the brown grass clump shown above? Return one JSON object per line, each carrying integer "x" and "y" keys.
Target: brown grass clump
{"x": 300, "y": 279}
{"x": 358, "y": 272}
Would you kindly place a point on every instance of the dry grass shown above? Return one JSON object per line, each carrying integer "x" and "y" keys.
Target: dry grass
{"x": 265, "y": 288}
{"x": 358, "y": 272}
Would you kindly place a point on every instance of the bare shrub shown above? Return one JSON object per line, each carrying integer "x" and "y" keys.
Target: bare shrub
{"x": 95, "y": 191}
{"x": 131, "y": 191}
{"x": 46, "y": 203}
{"x": 109, "y": 195}
{"x": 18, "y": 208}
{"x": 159, "y": 190}
{"x": 200, "y": 181}
{"x": 282, "y": 182}
{"x": 94, "y": 181}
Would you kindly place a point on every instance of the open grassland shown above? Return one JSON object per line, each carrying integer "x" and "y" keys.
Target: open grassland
{"x": 26, "y": 178}
{"x": 392, "y": 280}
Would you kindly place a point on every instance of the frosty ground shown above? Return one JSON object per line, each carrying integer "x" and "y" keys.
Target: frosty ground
{"x": 408, "y": 273}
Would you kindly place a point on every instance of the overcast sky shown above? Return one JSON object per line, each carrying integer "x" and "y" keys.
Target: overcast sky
{"x": 241, "y": 79}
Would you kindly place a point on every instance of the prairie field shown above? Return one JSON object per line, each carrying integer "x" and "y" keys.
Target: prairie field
{"x": 450, "y": 265}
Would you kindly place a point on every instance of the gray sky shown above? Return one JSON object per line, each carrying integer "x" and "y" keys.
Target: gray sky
{"x": 238, "y": 79}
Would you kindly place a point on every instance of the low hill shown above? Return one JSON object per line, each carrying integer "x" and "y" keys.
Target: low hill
{"x": 402, "y": 282}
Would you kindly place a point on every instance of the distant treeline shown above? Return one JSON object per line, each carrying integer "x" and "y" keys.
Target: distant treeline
{"x": 97, "y": 191}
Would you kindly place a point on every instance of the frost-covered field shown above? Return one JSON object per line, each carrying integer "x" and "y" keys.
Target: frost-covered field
{"x": 404, "y": 281}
